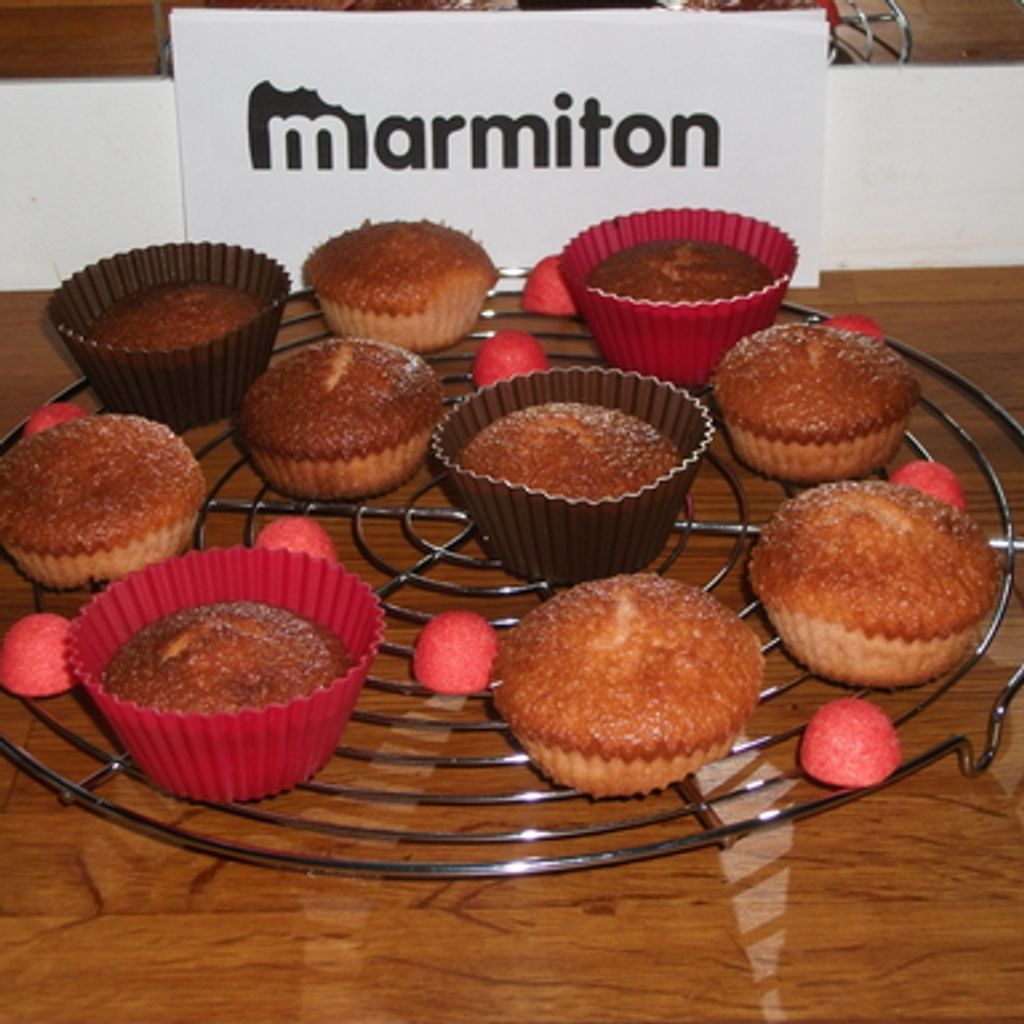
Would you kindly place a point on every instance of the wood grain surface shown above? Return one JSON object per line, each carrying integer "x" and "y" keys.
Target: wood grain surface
{"x": 903, "y": 905}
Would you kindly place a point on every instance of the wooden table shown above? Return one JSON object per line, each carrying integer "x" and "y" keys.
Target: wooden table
{"x": 906, "y": 904}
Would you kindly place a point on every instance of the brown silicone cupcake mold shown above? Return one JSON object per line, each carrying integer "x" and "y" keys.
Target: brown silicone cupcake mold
{"x": 538, "y": 535}
{"x": 183, "y": 386}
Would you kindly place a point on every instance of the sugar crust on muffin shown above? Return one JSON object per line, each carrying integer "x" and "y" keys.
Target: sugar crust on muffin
{"x": 874, "y": 584}
{"x": 625, "y": 684}
{"x": 574, "y": 450}
{"x": 348, "y": 417}
{"x": 416, "y": 284}
{"x": 679, "y": 270}
{"x": 97, "y": 497}
{"x": 175, "y": 316}
{"x": 225, "y": 656}
{"x": 811, "y": 404}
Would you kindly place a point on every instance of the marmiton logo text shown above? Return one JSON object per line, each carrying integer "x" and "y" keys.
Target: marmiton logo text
{"x": 298, "y": 130}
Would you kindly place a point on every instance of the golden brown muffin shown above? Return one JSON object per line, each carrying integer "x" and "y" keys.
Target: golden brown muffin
{"x": 225, "y": 656}
{"x": 573, "y": 450}
{"x": 343, "y": 419}
{"x": 415, "y": 284}
{"x": 174, "y": 316}
{"x": 810, "y": 404}
{"x": 623, "y": 685}
{"x": 679, "y": 270}
{"x": 875, "y": 584}
{"x": 96, "y": 498}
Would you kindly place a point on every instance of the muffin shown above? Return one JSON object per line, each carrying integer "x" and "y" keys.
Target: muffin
{"x": 677, "y": 339}
{"x": 811, "y": 404}
{"x": 345, "y": 418}
{"x": 565, "y": 537}
{"x": 173, "y": 332}
{"x": 623, "y": 685}
{"x": 159, "y": 653}
{"x": 874, "y": 584}
{"x": 572, "y": 450}
{"x": 225, "y": 656}
{"x": 97, "y": 497}
{"x": 415, "y": 284}
{"x": 679, "y": 270}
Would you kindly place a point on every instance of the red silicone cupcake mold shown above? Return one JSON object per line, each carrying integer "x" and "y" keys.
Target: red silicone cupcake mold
{"x": 680, "y": 342}
{"x": 256, "y": 752}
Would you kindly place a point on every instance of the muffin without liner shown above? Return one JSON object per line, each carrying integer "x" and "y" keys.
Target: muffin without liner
{"x": 415, "y": 284}
{"x": 623, "y": 685}
{"x": 97, "y": 497}
{"x": 810, "y": 404}
{"x": 345, "y": 418}
{"x": 875, "y": 584}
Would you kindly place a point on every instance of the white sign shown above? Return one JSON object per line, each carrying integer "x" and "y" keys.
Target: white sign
{"x": 519, "y": 127}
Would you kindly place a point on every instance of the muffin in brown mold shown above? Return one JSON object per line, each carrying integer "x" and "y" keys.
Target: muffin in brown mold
{"x": 225, "y": 656}
{"x": 345, "y": 418}
{"x": 874, "y": 584}
{"x": 173, "y": 332}
{"x": 810, "y": 404}
{"x": 174, "y": 316}
{"x": 572, "y": 450}
{"x": 679, "y": 270}
{"x": 416, "y": 284}
{"x": 96, "y": 498}
{"x": 556, "y": 534}
{"x": 623, "y": 685}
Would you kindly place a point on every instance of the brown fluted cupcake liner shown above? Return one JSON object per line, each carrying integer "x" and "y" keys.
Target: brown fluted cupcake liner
{"x": 182, "y": 387}
{"x": 680, "y": 342}
{"x": 537, "y": 535}
{"x": 231, "y": 755}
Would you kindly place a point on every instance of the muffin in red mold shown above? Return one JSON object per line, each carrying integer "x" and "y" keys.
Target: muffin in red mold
{"x": 678, "y": 341}
{"x": 242, "y": 754}
{"x": 183, "y": 328}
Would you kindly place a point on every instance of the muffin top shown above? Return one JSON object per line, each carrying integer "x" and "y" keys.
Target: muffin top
{"x": 631, "y": 666}
{"x": 808, "y": 383}
{"x": 397, "y": 267}
{"x": 341, "y": 399}
{"x": 873, "y": 556}
{"x": 225, "y": 656}
{"x": 679, "y": 270}
{"x": 96, "y": 482}
{"x": 571, "y": 450}
{"x": 174, "y": 316}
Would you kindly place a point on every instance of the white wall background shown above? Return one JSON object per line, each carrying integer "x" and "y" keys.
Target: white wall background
{"x": 924, "y": 166}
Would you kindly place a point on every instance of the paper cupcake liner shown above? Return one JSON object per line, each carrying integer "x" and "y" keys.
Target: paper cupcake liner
{"x": 538, "y": 536}
{"x": 251, "y": 753}
{"x": 680, "y": 342}
{"x": 184, "y": 387}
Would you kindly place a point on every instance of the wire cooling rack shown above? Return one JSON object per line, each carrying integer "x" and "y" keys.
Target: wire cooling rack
{"x": 871, "y": 31}
{"x": 424, "y": 786}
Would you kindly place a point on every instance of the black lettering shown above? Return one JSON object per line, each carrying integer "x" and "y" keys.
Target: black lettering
{"x": 563, "y": 132}
{"x": 625, "y": 132}
{"x": 681, "y": 125}
{"x": 593, "y": 122}
{"x": 508, "y": 129}
{"x": 412, "y": 154}
{"x": 441, "y": 130}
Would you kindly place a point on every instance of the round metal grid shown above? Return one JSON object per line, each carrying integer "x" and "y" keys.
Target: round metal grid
{"x": 426, "y": 787}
